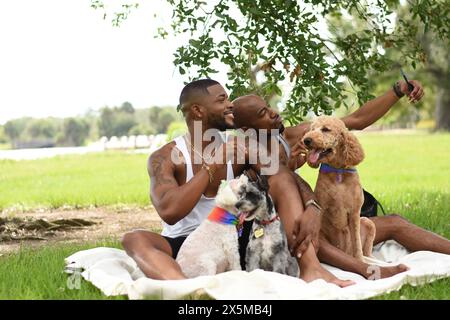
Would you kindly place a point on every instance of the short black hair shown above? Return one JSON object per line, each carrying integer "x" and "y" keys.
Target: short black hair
{"x": 195, "y": 88}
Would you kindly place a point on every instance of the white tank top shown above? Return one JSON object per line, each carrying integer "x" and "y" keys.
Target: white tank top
{"x": 203, "y": 207}
{"x": 285, "y": 145}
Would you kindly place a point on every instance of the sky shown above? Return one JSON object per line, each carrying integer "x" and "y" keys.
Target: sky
{"x": 60, "y": 58}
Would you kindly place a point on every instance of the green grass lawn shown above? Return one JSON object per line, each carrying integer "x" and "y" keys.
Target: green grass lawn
{"x": 409, "y": 174}
{"x": 38, "y": 274}
{"x": 97, "y": 179}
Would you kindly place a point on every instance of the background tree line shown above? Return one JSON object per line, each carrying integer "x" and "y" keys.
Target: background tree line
{"x": 119, "y": 121}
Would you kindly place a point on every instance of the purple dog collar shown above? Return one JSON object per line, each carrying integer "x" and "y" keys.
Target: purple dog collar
{"x": 325, "y": 168}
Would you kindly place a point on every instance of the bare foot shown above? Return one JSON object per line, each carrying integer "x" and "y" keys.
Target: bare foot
{"x": 377, "y": 272}
{"x": 311, "y": 274}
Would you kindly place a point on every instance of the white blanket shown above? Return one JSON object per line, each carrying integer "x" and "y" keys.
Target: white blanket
{"x": 115, "y": 273}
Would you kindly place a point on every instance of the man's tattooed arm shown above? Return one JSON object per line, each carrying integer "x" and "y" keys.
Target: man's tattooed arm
{"x": 160, "y": 173}
{"x": 171, "y": 200}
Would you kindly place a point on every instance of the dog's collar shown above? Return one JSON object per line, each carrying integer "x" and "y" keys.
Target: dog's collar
{"x": 266, "y": 222}
{"x": 222, "y": 216}
{"x": 325, "y": 168}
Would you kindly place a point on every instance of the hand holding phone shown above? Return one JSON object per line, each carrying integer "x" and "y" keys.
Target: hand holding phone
{"x": 410, "y": 85}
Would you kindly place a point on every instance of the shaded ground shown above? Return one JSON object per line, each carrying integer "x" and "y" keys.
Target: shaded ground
{"x": 37, "y": 228}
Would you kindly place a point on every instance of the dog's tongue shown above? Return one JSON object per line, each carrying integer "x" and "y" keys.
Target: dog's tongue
{"x": 313, "y": 156}
{"x": 242, "y": 217}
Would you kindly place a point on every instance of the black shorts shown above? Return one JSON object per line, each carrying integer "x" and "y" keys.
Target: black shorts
{"x": 175, "y": 243}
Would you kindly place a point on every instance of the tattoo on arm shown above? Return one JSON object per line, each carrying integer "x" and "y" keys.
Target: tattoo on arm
{"x": 158, "y": 171}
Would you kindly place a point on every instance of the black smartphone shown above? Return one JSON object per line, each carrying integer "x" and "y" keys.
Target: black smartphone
{"x": 410, "y": 85}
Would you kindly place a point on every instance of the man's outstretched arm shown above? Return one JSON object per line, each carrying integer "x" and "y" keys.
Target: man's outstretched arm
{"x": 366, "y": 115}
{"x": 374, "y": 109}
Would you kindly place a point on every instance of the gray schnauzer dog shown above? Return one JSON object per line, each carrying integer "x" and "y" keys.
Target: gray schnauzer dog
{"x": 267, "y": 248}
{"x": 213, "y": 247}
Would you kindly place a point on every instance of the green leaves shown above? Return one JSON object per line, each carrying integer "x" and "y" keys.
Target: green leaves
{"x": 119, "y": 14}
{"x": 266, "y": 43}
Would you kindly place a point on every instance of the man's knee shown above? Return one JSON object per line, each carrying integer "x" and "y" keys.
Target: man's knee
{"x": 128, "y": 239}
{"x": 396, "y": 219}
{"x": 139, "y": 241}
{"x": 394, "y": 223}
{"x": 132, "y": 239}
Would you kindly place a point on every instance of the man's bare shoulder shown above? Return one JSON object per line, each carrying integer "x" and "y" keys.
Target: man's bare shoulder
{"x": 162, "y": 155}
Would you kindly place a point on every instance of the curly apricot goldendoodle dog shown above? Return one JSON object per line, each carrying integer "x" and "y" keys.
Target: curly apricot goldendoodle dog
{"x": 338, "y": 188}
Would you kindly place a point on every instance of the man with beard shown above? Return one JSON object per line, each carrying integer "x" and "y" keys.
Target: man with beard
{"x": 183, "y": 191}
{"x": 253, "y": 112}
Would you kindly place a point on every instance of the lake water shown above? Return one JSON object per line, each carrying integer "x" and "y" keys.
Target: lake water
{"x": 39, "y": 153}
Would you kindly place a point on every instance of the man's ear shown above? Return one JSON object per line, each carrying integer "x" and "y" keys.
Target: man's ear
{"x": 197, "y": 111}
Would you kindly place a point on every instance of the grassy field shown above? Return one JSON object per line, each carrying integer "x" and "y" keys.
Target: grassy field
{"x": 39, "y": 274}
{"x": 98, "y": 179}
{"x": 409, "y": 174}
{"x": 28, "y": 281}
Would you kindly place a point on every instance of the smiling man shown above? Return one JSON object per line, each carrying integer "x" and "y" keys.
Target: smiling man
{"x": 252, "y": 111}
{"x": 183, "y": 190}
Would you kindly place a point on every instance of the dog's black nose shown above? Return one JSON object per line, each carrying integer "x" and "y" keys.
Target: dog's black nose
{"x": 307, "y": 141}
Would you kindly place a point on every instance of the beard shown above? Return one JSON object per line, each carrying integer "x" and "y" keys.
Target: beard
{"x": 219, "y": 122}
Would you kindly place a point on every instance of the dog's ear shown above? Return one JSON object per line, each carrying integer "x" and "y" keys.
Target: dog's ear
{"x": 262, "y": 182}
{"x": 353, "y": 152}
{"x": 251, "y": 175}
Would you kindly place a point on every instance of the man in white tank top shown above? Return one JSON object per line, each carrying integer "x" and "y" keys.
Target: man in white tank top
{"x": 181, "y": 189}
{"x": 182, "y": 192}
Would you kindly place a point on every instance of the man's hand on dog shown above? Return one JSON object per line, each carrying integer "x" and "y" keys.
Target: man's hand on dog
{"x": 233, "y": 150}
{"x": 306, "y": 231}
{"x": 298, "y": 155}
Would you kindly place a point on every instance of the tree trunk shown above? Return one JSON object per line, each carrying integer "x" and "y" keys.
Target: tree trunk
{"x": 442, "y": 114}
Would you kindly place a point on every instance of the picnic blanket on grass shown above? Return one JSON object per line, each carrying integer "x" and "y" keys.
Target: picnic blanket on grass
{"x": 115, "y": 273}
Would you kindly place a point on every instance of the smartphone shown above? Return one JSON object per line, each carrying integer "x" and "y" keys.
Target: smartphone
{"x": 410, "y": 85}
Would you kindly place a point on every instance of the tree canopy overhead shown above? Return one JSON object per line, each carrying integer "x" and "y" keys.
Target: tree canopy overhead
{"x": 285, "y": 41}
